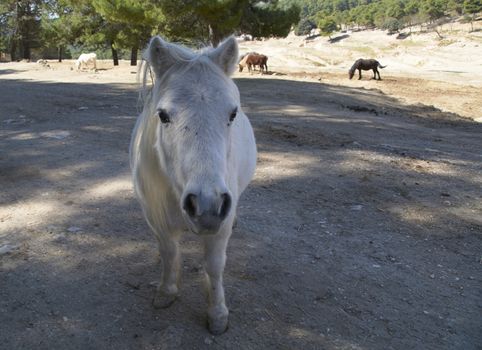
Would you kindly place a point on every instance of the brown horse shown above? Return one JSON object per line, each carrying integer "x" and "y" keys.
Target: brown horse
{"x": 254, "y": 59}
{"x": 365, "y": 65}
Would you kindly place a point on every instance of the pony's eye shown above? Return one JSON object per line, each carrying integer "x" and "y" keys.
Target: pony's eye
{"x": 164, "y": 116}
{"x": 233, "y": 114}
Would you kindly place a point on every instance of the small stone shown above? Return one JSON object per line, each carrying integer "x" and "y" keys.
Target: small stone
{"x": 356, "y": 207}
{"x": 74, "y": 229}
{"x": 83, "y": 108}
{"x": 432, "y": 276}
{"x": 208, "y": 341}
{"x": 7, "y": 248}
{"x": 58, "y": 135}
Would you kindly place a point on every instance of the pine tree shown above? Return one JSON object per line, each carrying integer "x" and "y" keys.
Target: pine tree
{"x": 472, "y": 7}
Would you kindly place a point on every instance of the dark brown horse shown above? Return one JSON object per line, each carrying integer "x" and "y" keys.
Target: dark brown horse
{"x": 254, "y": 59}
{"x": 365, "y": 65}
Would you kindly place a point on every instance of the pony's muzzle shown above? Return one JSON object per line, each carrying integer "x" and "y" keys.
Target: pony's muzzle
{"x": 207, "y": 212}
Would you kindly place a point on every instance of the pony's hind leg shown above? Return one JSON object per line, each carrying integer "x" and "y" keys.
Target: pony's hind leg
{"x": 214, "y": 261}
{"x": 167, "y": 291}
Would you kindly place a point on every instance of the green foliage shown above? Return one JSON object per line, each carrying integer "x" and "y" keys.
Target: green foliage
{"x": 455, "y": 7}
{"x": 20, "y": 27}
{"x": 327, "y": 25}
{"x": 395, "y": 9}
{"x": 393, "y": 25}
{"x": 381, "y": 13}
{"x": 269, "y": 19}
{"x": 472, "y": 6}
{"x": 116, "y": 25}
{"x": 434, "y": 9}
{"x": 215, "y": 19}
{"x": 304, "y": 26}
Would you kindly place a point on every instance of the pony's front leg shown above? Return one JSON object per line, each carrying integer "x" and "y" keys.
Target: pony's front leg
{"x": 167, "y": 291}
{"x": 359, "y": 74}
{"x": 214, "y": 261}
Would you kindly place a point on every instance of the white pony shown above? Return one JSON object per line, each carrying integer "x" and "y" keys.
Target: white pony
{"x": 86, "y": 59}
{"x": 192, "y": 154}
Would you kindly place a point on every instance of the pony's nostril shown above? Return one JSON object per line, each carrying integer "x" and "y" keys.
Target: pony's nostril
{"x": 225, "y": 205}
{"x": 190, "y": 204}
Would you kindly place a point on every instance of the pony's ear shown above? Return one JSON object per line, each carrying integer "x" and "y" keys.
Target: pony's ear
{"x": 226, "y": 55}
{"x": 163, "y": 55}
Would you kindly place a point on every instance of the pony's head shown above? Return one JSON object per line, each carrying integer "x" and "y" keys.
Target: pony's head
{"x": 351, "y": 72}
{"x": 195, "y": 103}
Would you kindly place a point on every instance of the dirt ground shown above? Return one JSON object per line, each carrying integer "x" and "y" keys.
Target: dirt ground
{"x": 361, "y": 229}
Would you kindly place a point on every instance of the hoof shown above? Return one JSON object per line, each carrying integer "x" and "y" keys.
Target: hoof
{"x": 218, "y": 325}
{"x": 163, "y": 301}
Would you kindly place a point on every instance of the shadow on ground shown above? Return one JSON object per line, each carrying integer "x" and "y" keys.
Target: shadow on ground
{"x": 361, "y": 229}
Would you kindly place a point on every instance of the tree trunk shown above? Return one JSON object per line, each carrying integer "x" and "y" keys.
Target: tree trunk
{"x": 26, "y": 49}
{"x": 60, "y": 53}
{"x": 13, "y": 50}
{"x": 215, "y": 36}
{"x": 115, "y": 57}
{"x": 134, "y": 56}
{"x": 26, "y": 35}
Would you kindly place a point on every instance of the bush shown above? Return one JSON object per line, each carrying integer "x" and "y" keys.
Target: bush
{"x": 304, "y": 27}
{"x": 393, "y": 25}
{"x": 327, "y": 25}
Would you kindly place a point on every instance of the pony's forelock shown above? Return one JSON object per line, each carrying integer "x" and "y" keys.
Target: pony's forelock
{"x": 185, "y": 58}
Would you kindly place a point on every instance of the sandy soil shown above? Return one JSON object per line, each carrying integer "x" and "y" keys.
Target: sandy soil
{"x": 361, "y": 229}
{"x": 422, "y": 68}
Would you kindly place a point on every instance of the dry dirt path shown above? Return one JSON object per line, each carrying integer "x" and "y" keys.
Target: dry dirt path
{"x": 361, "y": 229}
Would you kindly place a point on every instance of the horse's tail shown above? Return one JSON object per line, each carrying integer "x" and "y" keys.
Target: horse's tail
{"x": 380, "y": 66}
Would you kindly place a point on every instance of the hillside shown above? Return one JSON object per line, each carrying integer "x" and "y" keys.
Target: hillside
{"x": 422, "y": 68}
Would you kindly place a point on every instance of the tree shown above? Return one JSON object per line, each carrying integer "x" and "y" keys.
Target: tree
{"x": 304, "y": 26}
{"x": 455, "y": 7}
{"x": 57, "y": 25}
{"x": 21, "y": 19}
{"x": 393, "y": 25}
{"x": 204, "y": 20}
{"x": 269, "y": 19}
{"x": 135, "y": 21}
{"x": 412, "y": 13}
{"x": 472, "y": 7}
{"x": 433, "y": 9}
{"x": 395, "y": 9}
{"x": 327, "y": 25}
{"x": 7, "y": 25}
{"x": 215, "y": 19}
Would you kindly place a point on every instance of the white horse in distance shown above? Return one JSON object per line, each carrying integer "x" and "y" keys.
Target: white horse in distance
{"x": 86, "y": 60}
{"x": 192, "y": 154}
